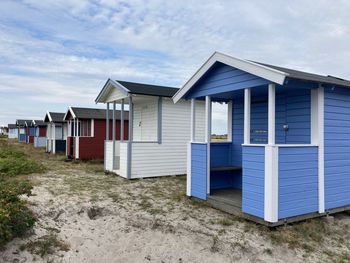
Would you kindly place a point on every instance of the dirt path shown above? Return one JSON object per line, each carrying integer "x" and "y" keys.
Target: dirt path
{"x": 87, "y": 216}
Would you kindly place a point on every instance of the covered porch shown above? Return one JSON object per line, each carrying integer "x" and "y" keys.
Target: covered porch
{"x": 268, "y": 169}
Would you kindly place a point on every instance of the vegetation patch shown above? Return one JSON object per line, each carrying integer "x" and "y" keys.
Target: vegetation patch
{"x": 45, "y": 245}
{"x": 15, "y": 218}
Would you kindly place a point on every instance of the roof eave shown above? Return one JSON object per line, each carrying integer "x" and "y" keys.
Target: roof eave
{"x": 107, "y": 87}
{"x": 265, "y": 72}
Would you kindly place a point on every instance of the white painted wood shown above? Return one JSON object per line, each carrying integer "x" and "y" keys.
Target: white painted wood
{"x": 271, "y": 184}
{"x": 189, "y": 167}
{"x": 113, "y": 132}
{"x": 129, "y": 157}
{"x": 208, "y": 136}
{"x": 229, "y": 120}
{"x": 109, "y": 155}
{"x": 265, "y": 72}
{"x": 53, "y": 139}
{"x": 107, "y": 121}
{"x": 193, "y": 119}
{"x": 247, "y": 106}
{"x": 145, "y": 122}
{"x": 112, "y": 91}
{"x": 77, "y": 147}
{"x": 122, "y": 120}
{"x": 321, "y": 194}
{"x": 169, "y": 158}
{"x": 92, "y": 127}
{"x": 271, "y": 114}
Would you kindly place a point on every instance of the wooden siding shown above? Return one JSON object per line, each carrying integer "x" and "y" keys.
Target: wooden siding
{"x": 253, "y": 180}
{"x": 123, "y": 163}
{"x": 150, "y": 159}
{"x": 145, "y": 119}
{"x": 39, "y": 142}
{"x": 199, "y": 170}
{"x": 220, "y": 154}
{"x": 337, "y": 147}
{"x": 237, "y": 132}
{"x": 222, "y": 78}
{"x": 297, "y": 181}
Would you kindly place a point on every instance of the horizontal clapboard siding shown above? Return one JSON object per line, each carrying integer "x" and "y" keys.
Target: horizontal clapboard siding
{"x": 170, "y": 157}
{"x": 237, "y": 132}
{"x": 199, "y": 170}
{"x": 222, "y": 78}
{"x": 297, "y": 181}
{"x": 337, "y": 147}
{"x": 220, "y": 154}
{"x": 253, "y": 181}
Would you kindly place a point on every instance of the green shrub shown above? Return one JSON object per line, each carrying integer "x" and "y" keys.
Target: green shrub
{"x": 15, "y": 217}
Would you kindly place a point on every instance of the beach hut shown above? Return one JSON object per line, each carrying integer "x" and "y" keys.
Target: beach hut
{"x": 86, "y": 132}
{"x": 288, "y": 153}
{"x": 30, "y": 132}
{"x": 4, "y": 130}
{"x": 158, "y": 130}
{"x": 56, "y": 132}
{"x": 22, "y": 130}
{"x": 39, "y": 139}
{"x": 13, "y": 131}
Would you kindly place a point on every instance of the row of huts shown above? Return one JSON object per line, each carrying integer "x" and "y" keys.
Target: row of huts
{"x": 287, "y": 153}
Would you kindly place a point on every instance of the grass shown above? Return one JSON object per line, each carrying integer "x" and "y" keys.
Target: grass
{"x": 45, "y": 245}
{"x": 15, "y": 218}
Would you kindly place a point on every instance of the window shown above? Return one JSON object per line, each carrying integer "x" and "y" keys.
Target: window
{"x": 84, "y": 127}
{"x": 220, "y": 122}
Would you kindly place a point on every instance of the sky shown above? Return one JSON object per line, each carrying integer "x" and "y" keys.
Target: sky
{"x": 54, "y": 54}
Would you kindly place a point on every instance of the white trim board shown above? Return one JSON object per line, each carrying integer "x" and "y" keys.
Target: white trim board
{"x": 321, "y": 193}
{"x": 265, "y": 72}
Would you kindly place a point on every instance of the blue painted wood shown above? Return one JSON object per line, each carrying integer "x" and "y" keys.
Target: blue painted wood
{"x": 253, "y": 181}
{"x": 220, "y": 154}
{"x": 237, "y": 132}
{"x": 31, "y": 131}
{"x": 337, "y": 147}
{"x": 60, "y": 145}
{"x": 22, "y": 138}
{"x": 199, "y": 170}
{"x": 297, "y": 181}
{"x": 222, "y": 78}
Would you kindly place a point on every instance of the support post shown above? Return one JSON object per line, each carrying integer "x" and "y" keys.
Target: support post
{"x": 53, "y": 139}
{"x": 113, "y": 137}
{"x": 321, "y": 194}
{"x": 131, "y": 121}
{"x": 159, "y": 130}
{"x": 247, "y": 103}
{"x": 271, "y": 114}
{"x": 193, "y": 120}
{"x": 122, "y": 121}
{"x": 208, "y": 137}
{"x": 107, "y": 122}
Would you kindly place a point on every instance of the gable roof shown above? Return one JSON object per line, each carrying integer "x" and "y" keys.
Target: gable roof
{"x": 54, "y": 116}
{"x": 127, "y": 88}
{"x": 91, "y": 113}
{"x": 22, "y": 122}
{"x": 36, "y": 123}
{"x": 275, "y": 74}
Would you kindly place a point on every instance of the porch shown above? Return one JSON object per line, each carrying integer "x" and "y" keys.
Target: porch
{"x": 268, "y": 169}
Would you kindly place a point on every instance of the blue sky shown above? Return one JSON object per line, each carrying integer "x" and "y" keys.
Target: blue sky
{"x": 58, "y": 53}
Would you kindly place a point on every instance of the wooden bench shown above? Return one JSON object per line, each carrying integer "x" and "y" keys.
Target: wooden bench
{"x": 225, "y": 168}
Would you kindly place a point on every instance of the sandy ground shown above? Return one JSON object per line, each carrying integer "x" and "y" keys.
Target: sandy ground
{"x": 104, "y": 218}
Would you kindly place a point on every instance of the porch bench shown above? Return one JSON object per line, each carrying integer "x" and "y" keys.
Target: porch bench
{"x": 225, "y": 168}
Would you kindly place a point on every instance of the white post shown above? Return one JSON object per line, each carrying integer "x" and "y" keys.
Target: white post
{"x": 122, "y": 122}
{"x": 74, "y": 128}
{"x": 129, "y": 155}
{"x": 271, "y": 114}
{"x": 208, "y": 136}
{"x": 321, "y": 195}
{"x": 54, "y": 138}
{"x": 247, "y": 102}
{"x": 229, "y": 121}
{"x": 193, "y": 120}
{"x": 107, "y": 122}
{"x": 113, "y": 137}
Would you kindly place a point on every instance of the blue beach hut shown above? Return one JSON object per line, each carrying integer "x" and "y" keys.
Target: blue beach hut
{"x": 287, "y": 156}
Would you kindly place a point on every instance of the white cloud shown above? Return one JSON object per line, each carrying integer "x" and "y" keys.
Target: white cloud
{"x": 70, "y": 47}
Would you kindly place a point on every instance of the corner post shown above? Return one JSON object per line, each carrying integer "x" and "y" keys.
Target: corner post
{"x": 271, "y": 162}
{"x": 131, "y": 121}
{"x": 189, "y": 148}
{"x": 113, "y": 137}
{"x": 107, "y": 122}
{"x": 208, "y": 137}
{"x": 193, "y": 119}
{"x": 122, "y": 121}
{"x": 247, "y": 102}
{"x": 321, "y": 192}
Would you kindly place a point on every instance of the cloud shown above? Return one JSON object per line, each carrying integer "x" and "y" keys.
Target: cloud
{"x": 61, "y": 52}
